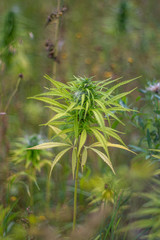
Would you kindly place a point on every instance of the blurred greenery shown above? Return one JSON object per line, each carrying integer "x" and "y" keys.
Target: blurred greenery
{"x": 99, "y": 39}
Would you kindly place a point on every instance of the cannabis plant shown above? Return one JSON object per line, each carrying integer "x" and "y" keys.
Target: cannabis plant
{"x": 83, "y": 112}
{"x": 101, "y": 188}
{"x": 29, "y": 162}
{"x": 34, "y": 159}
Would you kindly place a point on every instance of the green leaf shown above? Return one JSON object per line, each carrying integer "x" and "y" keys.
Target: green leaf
{"x": 110, "y": 110}
{"x": 149, "y": 138}
{"x": 71, "y": 106}
{"x": 49, "y": 145}
{"x": 111, "y": 132}
{"x": 50, "y": 101}
{"x": 55, "y": 109}
{"x": 57, "y": 116}
{"x": 117, "y": 97}
{"x": 101, "y": 139}
{"x": 99, "y": 117}
{"x": 106, "y": 82}
{"x": 95, "y": 144}
{"x": 104, "y": 158}
{"x": 84, "y": 157}
{"x": 60, "y": 133}
{"x": 57, "y": 84}
{"x": 82, "y": 99}
{"x": 57, "y": 158}
{"x": 156, "y": 156}
{"x": 86, "y": 109}
{"x": 74, "y": 160}
{"x": 119, "y": 84}
{"x": 54, "y": 92}
{"x": 115, "y": 117}
{"x": 119, "y": 146}
{"x": 82, "y": 140}
{"x": 156, "y": 150}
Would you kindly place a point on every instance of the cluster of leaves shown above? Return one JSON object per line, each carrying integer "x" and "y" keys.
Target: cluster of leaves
{"x": 148, "y": 124}
{"x": 83, "y": 108}
{"x": 149, "y": 214}
{"x": 28, "y": 161}
{"x": 101, "y": 188}
{"x": 32, "y": 158}
{"x": 9, "y": 229}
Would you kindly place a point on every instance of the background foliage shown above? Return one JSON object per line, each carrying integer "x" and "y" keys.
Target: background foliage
{"x": 104, "y": 39}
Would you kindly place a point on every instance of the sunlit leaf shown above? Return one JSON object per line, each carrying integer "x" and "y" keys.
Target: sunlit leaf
{"x": 57, "y": 158}
{"x": 82, "y": 140}
{"x": 101, "y": 139}
{"x": 84, "y": 157}
{"x": 49, "y": 145}
{"x": 104, "y": 158}
{"x": 99, "y": 118}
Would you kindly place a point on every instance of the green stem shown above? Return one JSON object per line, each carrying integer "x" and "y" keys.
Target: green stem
{"x": 12, "y": 95}
{"x": 48, "y": 192}
{"x": 33, "y": 173}
{"x": 75, "y": 194}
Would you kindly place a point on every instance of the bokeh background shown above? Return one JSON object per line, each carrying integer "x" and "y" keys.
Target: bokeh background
{"x": 100, "y": 39}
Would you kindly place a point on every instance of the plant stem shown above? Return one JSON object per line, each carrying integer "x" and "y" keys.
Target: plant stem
{"x": 75, "y": 194}
{"x": 33, "y": 173}
{"x": 48, "y": 192}
{"x": 12, "y": 95}
{"x": 56, "y": 39}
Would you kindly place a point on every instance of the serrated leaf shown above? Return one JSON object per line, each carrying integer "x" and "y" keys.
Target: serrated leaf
{"x": 86, "y": 109}
{"x": 49, "y": 145}
{"x": 101, "y": 139}
{"x": 57, "y": 116}
{"x": 57, "y": 84}
{"x": 115, "y": 117}
{"x": 84, "y": 157}
{"x": 95, "y": 144}
{"x": 82, "y": 99}
{"x": 98, "y": 144}
{"x": 55, "y": 109}
{"x": 108, "y": 92}
{"x": 82, "y": 140}
{"x": 119, "y": 146}
{"x": 104, "y": 158}
{"x": 106, "y": 82}
{"x": 111, "y": 132}
{"x": 117, "y": 97}
{"x": 50, "y": 101}
{"x": 99, "y": 117}
{"x": 57, "y": 158}
{"x": 60, "y": 133}
{"x": 70, "y": 107}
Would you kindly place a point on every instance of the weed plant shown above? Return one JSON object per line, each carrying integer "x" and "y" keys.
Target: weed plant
{"x": 83, "y": 109}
